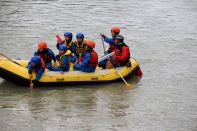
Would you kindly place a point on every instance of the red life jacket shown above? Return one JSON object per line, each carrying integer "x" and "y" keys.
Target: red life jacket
{"x": 93, "y": 59}
{"x": 45, "y": 56}
{"x": 111, "y": 48}
{"x": 123, "y": 54}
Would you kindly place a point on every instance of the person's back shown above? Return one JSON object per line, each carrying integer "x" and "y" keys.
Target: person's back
{"x": 90, "y": 60}
{"x": 37, "y": 65}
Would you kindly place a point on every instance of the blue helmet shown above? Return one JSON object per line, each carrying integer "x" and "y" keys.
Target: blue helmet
{"x": 120, "y": 37}
{"x": 80, "y": 35}
{"x": 62, "y": 47}
{"x": 36, "y": 60}
{"x": 69, "y": 34}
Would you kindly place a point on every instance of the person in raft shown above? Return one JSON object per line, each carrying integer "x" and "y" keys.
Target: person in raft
{"x": 46, "y": 54}
{"x": 111, "y": 41}
{"x": 80, "y": 47}
{"x": 122, "y": 53}
{"x": 67, "y": 41}
{"x": 90, "y": 60}
{"x": 64, "y": 57}
{"x": 37, "y": 65}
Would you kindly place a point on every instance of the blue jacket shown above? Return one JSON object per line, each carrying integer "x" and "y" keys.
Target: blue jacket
{"x": 85, "y": 62}
{"x": 109, "y": 40}
{"x": 50, "y": 56}
{"x": 39, "y": 70}
{"x": 65, "y": 63}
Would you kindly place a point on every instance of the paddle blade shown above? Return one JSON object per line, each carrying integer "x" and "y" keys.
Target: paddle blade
{"x": 129, "y": 86}
{"x": 59, "y": 38}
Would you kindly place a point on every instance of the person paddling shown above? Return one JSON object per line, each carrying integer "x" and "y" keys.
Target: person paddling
{"x": 46, "y": 54}
{"x": 111, "y": 41}
{"x": 37, "y": 65}
{"x": 90, "y": 60}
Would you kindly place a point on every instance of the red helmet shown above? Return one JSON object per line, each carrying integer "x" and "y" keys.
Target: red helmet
{"x": 90, "y": 43}
{"x": 115, "y": 29}
{"x": 42, "y": 45}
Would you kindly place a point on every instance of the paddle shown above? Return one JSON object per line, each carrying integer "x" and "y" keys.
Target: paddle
{"x": 59, "y": 38}
{"x": 129, "y": 86}
{"x": 103, "y": 44}
{"x": 9, "y": 59}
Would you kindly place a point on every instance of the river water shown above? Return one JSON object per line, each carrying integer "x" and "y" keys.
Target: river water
{"x": 162, "y": 35}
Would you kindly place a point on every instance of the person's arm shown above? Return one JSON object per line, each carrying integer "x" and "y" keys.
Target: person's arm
{"x": 30, "y": 68}
{"x": 86, "y": 60}
{"x": 65, "y": 63}
{"x": 51, "y": 53}
{"x": 109, "y": 40}
{"x": 124, "y": 56}
{"x": 57, "y": 45}
{"x": 73, "y": 48}
{"x": 39, "y": 73}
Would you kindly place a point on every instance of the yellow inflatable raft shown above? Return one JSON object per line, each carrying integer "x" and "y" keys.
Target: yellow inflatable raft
{"x": 16, "y": 72}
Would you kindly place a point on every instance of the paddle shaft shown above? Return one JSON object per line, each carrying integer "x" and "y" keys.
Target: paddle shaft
{"x": 128, "y": 85}
{"x": 103, "y": 44}
{"x": 9, "y": 59}
{"x": 122, "y": 77}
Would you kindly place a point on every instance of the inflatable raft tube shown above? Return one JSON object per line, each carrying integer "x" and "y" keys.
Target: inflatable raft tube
{"x": 17, "y": 73}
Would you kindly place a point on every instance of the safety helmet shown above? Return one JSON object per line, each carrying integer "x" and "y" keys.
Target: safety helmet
{"x": 115, "y": 29}
{"x": 80, "y": 35}
{"x": 120, "y": 37}
{"x": 42, "y": 45}
{"x": 69, "y": 34}
{"x": 62, "y": 47}
{"x": 36, "y": 60}
{"x": 90, "y": 43}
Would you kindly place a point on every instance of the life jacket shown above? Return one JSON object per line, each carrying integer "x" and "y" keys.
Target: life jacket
{"x": 111, "y": 48}
{"x": 69, "y": 45}
{"x": 67, "y": 53}
{"x": 93, "y": 59}
{"x": 119, "y": 53}
{"x": 45, "y": 56}
{"x": 81, "y": 48}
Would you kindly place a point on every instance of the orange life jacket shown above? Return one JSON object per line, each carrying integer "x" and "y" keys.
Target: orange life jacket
{"x": 45, "y": 56}
{"x": 93, "y": 58}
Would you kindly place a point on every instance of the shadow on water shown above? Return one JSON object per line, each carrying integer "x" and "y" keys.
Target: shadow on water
{"x": 134, "y": 81}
